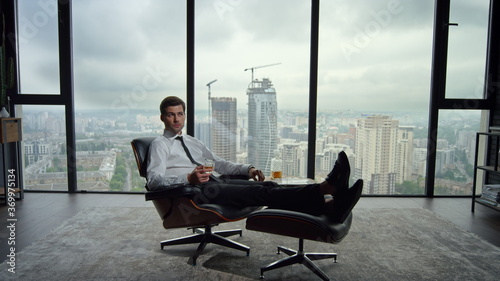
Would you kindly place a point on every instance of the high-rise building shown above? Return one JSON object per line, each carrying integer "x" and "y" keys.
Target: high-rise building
{"x": 224, "y": 128}
{"x": 404, "y": 153}
{"x": 202, "y": 132}
{"x": 419, "y": 160}
{"x": 445, "y": 160}
{"x": 291, "y": 158}
{"x": 262, "y": 124}
{"x": 326, "y": 157}
{"x": 383, "y": 153}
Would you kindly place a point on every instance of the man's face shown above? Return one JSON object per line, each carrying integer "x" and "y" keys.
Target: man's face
{"x": 174, "y": 119}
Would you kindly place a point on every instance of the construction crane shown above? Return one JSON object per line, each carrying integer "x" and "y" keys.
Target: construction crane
{"x": 208, "y": 85}
{"x": 209, "y": 144}
{"x": 255, "y": 67}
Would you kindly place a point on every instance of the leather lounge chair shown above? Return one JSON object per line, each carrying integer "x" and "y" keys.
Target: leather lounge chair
{"x": 177, "y": 209}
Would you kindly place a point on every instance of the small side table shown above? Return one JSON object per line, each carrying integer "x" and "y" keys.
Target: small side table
{"x": 293, "y": 181}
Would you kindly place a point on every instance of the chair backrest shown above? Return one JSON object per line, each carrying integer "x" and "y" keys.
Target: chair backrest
{"x": 140, "y": 146}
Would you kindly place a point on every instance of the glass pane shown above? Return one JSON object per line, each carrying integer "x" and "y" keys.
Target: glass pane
{"x": 38, "y": 47}
{"x": 455, "y": 152}
{"x": 127, "y": 58}
{"x": 467, "y": 49}
{"x": 44, "y": 147}
{"x": 373, "y": 91}
{"x": 254, "y": 56}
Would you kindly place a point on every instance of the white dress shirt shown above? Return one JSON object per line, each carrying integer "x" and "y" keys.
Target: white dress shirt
{"x": 169, "y": 164}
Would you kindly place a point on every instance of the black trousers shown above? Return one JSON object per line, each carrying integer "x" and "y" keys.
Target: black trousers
{"x": 242, "y": 193}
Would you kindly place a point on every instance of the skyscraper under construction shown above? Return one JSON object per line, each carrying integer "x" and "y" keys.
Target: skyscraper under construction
{"x": 262, "y": 124}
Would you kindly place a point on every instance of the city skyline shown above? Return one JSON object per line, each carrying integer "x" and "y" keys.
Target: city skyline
{"x": 107, "y": 130}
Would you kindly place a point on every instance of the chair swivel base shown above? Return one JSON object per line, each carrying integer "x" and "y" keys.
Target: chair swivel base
{"x": 207, "y": 236}
{"x": 300, "y": 257}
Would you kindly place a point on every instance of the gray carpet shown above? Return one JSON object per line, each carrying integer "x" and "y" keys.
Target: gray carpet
{"x": 384, "y": 244}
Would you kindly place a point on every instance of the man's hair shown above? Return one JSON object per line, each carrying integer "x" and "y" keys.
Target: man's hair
{"x": 171, "y": 101}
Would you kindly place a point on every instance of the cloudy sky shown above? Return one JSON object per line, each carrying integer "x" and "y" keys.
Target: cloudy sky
{"x": 375, "y": 55}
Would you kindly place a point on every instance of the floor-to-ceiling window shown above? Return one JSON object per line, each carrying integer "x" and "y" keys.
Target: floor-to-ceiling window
{"x": 44, "y": 134}
{"x": 373, "y": 91}
{"x": 252, "y": 81}
{"x": 127, "y": 58}
{"x": 465, "y": 79}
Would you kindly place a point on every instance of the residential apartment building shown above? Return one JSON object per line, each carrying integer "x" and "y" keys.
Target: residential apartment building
{"x": 383, "y": 153}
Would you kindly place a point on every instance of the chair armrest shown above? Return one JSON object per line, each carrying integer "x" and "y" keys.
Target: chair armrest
{"x": 181, "y": 189}
{"x": 173, "y": 191}
{"x": 235, "y": 177}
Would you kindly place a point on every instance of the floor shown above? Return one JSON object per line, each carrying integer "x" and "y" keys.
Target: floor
{"x": 39, "y": 213}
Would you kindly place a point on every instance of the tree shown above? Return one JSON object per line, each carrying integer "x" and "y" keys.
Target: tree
{"x": 408, "y": 187}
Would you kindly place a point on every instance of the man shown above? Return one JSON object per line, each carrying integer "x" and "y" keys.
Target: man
{"x": 175, "y": 158}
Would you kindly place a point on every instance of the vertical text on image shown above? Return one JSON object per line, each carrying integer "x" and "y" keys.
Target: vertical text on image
{"x": 11, "y": 219}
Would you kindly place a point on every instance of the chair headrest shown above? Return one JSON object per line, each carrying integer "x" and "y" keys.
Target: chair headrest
{"x": 140, "y": 146}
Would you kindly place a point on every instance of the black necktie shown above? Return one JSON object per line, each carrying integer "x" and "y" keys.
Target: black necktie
{"x": 194, "y": 161}
{"x": 187, "y": 151}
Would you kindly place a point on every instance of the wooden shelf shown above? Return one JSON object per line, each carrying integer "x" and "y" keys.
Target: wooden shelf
{"x": 489, "y": 168}
{"x": 489, "y": 205}
{"x": 2, "y": 191}
{"x": 492, "y": 142}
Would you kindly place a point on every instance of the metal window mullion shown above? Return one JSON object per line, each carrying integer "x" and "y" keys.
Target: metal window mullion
{"x": 313, "y": 88}
{"x": 190, "y": 51}
{"x": 438, "y": 84}
{"x": 66, "y": 87}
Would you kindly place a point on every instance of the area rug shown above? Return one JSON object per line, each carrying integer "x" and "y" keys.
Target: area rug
{"x": 123, "y": 243}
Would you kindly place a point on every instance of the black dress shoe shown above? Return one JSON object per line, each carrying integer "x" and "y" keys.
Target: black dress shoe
{"x": 343, "y": 205}
{"x": 339, "y": 176}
